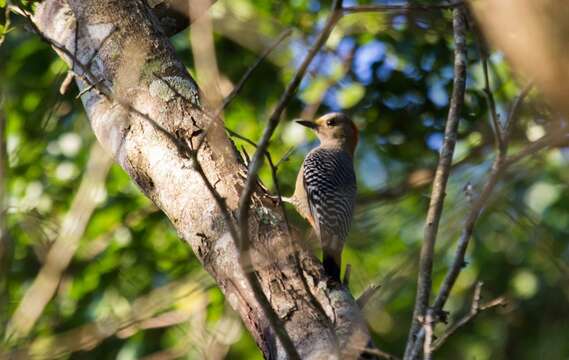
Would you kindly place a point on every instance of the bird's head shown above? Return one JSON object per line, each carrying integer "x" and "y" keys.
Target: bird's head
{"x": 334, "y": 129}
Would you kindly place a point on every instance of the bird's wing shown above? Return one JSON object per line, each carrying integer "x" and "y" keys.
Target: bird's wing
{"x": 330, "y": 185}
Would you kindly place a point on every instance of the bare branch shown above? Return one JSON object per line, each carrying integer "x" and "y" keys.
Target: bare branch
{"x": 434, "y": 213}
{"x": 475, "y": 309}
{"x": 379, "y": 353}
{"x": 142, "y": 310}
{"x": 513, "y": 114}
{"x": 536, "y": 146}
{"x": 251, "y": 69}
{"x": 496, "y": 127}
{"x": 367, "y": 294}
{"x": 498, "y": 167}
{"x": 501, "y": 163}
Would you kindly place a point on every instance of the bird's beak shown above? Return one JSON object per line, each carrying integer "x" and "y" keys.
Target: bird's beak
{"x": 309, "y": 124}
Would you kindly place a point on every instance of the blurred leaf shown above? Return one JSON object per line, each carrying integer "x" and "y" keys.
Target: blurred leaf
{"x": 350, "y": 95}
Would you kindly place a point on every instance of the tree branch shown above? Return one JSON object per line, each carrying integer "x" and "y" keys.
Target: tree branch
{"x": 475, "y": 309}
{"x": 498, "y": 168}
{"x": 186, "y": 151}
{"x": 251, "y": 69}
{"x": 489, "y": 96}
{"x": 434, "y": 213}
{"x": 73, "y": 225}
{"x": 142, "y": 309}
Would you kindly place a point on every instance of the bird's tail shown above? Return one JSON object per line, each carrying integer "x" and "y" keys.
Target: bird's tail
{"x": 331, "y": 266}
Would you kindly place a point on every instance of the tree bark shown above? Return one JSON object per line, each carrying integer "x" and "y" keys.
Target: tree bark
{"x": 154, "y": 102}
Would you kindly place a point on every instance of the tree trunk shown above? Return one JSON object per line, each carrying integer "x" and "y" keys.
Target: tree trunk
{"x": 155, "y": 102}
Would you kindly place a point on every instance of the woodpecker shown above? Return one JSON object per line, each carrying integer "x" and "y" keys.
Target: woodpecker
{"x": 325, "y": 188}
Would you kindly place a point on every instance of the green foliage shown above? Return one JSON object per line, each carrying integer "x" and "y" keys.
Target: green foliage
{"x": 393, "y": 74}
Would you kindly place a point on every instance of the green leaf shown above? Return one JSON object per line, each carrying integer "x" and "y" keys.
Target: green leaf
{"x": 315, "y": 90}
{"x": 350, "y": 95}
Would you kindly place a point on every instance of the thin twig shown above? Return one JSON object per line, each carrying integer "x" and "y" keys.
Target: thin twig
{"x": 251, "y": 69}
{"x": 536, "y": 146}
{"x": 489, "y": 96}
{"x": 475, "y": 309}
{"x": 514, "y": 112}
{"x": 501, "y": 163}
{"x": 85, "y": 337}
{"x": 438, "y": 193}
{"x": 272, "y": 124}
{"x": 367, "y": 294}
{"x": 60, "y": 254}
{"x": 66, "y": 83}
{"x": 498, "y": 168}
{"x": 87, "y": 88}
{"x": 378, "y": 352}
{"x": 69, "y": 76}
{"x": 286, "y": 156}
{"x": 87, "y": 76}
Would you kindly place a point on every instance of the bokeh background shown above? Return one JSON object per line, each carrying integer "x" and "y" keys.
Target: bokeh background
{"x": 133, "y": 290}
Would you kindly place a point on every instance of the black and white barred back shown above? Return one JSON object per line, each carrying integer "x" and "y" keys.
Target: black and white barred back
{"x": 330, "y": 184}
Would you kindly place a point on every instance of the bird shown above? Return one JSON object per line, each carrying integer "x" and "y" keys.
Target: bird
{"x": 325, "y": 189}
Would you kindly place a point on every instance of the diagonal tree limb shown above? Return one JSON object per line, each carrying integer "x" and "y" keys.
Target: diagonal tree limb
{"x": 63, "y": 249}
{"x": 186, "y": 151}
{"x": 489, "y": 96}
{"x": 229, "y": 98}
{"x": 203, "y": 53}
{"x": 442, "y": 173}
{"x": 208, "y": 74}
{"x": 142, "y": 311}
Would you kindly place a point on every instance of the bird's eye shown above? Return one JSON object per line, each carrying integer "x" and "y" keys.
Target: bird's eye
{"x": 331, "y": 122}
